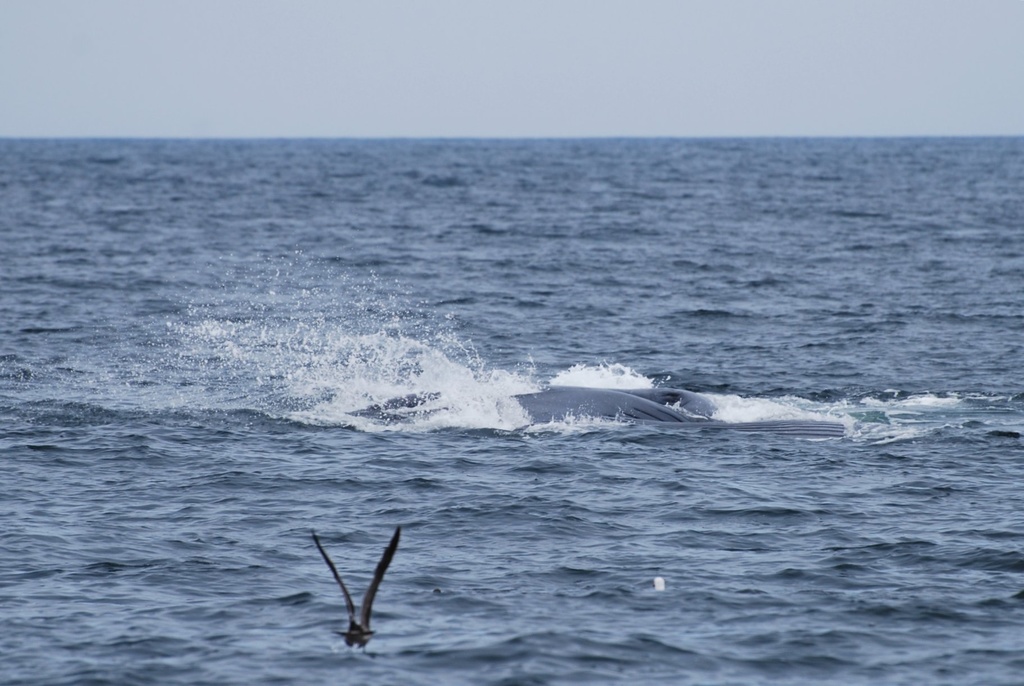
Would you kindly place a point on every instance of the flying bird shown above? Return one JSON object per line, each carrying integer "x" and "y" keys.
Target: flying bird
{"x": 359, "y": 631}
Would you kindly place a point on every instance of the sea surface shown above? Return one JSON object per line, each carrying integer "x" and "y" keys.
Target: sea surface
{"x": 186, "y": 326}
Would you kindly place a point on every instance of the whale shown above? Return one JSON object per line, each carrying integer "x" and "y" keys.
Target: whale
{"x": 674, "y": 407}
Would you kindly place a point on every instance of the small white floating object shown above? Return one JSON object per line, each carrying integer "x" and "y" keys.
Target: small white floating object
{"x": 659, "y": 583}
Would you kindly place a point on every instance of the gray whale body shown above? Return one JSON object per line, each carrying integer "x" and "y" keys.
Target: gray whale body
{"x": 662, "y": 406}
{"x": 648, "y": 405}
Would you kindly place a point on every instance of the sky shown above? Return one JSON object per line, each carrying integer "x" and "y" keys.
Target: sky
{"x": 512, "y": 68}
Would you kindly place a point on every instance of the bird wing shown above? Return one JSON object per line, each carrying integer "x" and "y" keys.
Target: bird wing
{"x": 378, "y": 576}
{"x": 348, "y": 599}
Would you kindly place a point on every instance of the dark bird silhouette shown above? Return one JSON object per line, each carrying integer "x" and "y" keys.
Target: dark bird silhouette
{"x": 359, "y": 631}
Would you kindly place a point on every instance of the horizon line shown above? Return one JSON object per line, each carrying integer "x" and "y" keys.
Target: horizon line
{"x": 402, "y": 137}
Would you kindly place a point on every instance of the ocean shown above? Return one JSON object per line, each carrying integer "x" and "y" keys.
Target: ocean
{"x": 186, "y": 328}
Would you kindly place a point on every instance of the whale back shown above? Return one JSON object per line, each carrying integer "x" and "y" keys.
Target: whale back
{"x": 670, "y": 406}
{"x": 652, "y": 406}
{"x": 689, "y": 403}
{"x": 559, "y": 402}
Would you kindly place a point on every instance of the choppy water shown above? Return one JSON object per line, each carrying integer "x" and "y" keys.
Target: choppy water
{"x": 184, "y": 327}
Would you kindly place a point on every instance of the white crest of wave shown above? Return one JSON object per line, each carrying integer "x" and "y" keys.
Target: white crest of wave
{"x": 320, "y": 374}
{"x": 315, "y": 345}
{"x": 378, "y": 367}
{"x": 604, "y": 375}
{"x": 734, "y": 408}
{"x": 922, "y": 401}
{"x": 575, "y": 424}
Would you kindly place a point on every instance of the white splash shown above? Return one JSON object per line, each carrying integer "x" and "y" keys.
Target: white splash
{"x": 734, "y": 408}
{"x": 601, "y": 376}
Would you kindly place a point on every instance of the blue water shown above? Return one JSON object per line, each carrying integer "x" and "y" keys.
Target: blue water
{"x": 185, "y": 327}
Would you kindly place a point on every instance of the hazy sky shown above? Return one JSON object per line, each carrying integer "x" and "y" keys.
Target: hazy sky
{"x": 511, "y": 67}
